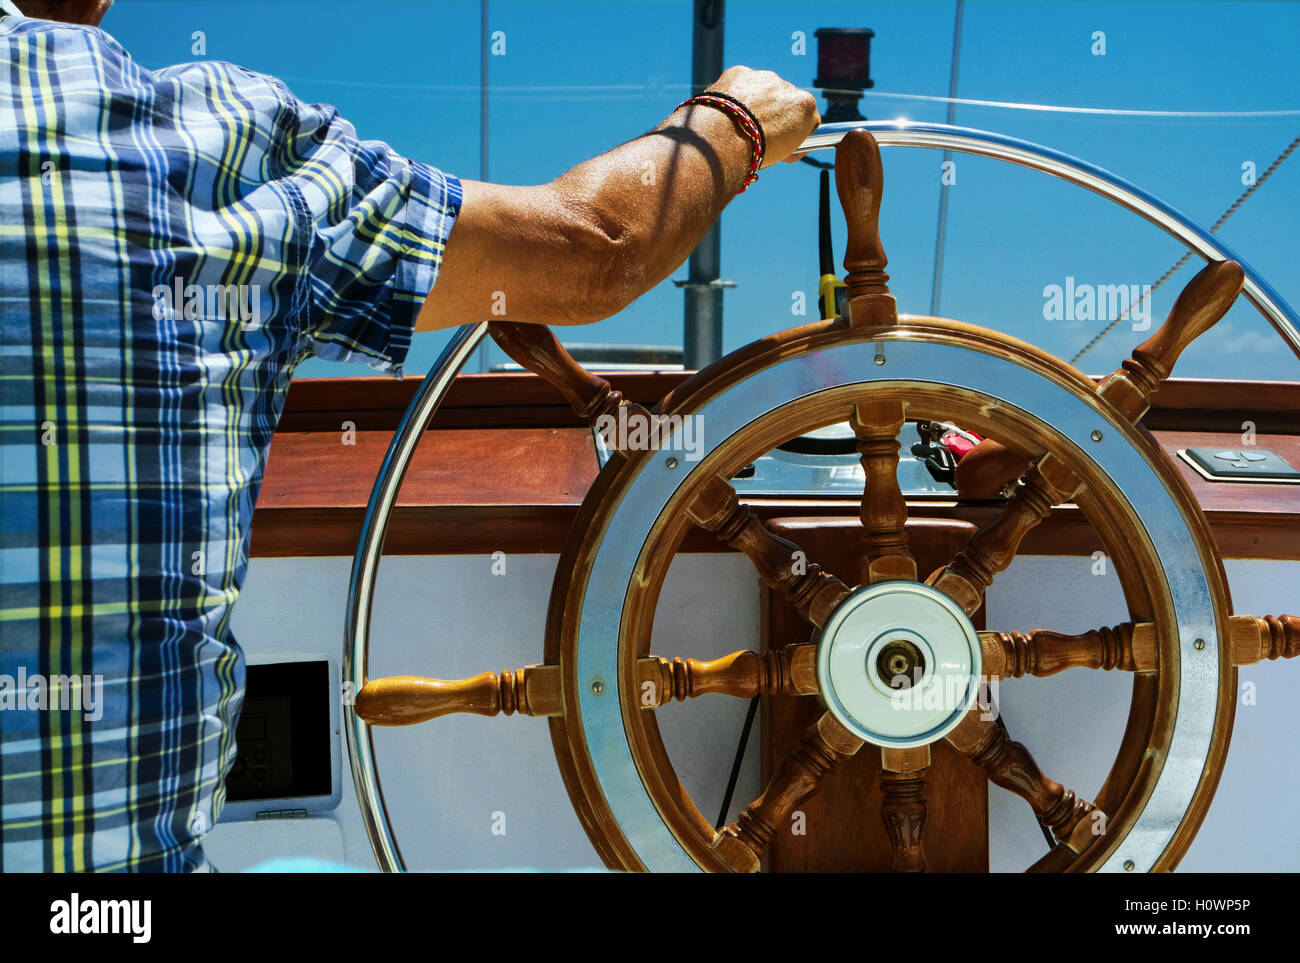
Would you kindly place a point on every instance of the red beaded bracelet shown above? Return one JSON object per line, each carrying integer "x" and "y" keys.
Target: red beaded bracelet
{"x": 744, "y": 119}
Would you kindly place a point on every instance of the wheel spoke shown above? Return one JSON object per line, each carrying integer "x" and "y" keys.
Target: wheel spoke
{"x": 1009, "y": 765}
{"x": 993, "y": 547}
{"x": 1131, "y": 647}
{"x": 404, "y": 700}
{"x": 780, "y": 563}
{"x": 798, "y": 777}
{"x": 788, "y": 671}
{"x": 884, "y": 511}
{"x": 903, "y": 808}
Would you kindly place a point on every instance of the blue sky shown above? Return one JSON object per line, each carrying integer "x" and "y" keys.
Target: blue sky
{"x": 579, "y": 77}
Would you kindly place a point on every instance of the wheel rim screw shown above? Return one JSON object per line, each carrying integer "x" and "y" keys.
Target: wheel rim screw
{"x": 672, "y": 462}
{"x": 1200, "y": 644}
{"x": 1096, "y": 436}
{"x": 597, "y": 687}
{"x": 880, "y": 359}
{"x": 1128, "y": 866}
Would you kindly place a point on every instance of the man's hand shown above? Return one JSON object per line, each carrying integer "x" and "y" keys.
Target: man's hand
{"x": 786, "y": 113}
{"x": 584, "y": 246}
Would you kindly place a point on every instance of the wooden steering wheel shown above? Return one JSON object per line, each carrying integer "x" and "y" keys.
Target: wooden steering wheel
{"x": 895, "y": 661}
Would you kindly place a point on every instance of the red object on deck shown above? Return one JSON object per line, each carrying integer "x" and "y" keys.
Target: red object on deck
{"x": 957, "y": 444}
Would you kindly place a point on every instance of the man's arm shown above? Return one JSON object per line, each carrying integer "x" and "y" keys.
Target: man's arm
{"x": 587, "y": 244}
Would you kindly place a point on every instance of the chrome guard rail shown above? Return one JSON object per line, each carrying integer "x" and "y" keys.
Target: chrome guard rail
{"x": 365, "y": 564}
{"x": 361, "y": 589}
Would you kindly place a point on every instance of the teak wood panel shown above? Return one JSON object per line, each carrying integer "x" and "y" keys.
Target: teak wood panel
{"x": 471, "y": 466}
{"x": 844, "y": 829}
{"x": 465, "y": 491}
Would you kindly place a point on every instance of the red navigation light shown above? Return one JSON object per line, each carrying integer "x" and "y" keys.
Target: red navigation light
{"x": 844, "y": 58}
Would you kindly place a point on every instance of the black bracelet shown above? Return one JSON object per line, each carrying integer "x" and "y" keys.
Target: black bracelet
{"x": 762, "y": 138}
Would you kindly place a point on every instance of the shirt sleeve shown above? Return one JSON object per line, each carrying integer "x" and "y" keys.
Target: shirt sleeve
{"x": 379, "y": 224}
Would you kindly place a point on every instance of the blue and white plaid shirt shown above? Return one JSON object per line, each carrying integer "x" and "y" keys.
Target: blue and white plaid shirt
{"x": 173, "y": 243}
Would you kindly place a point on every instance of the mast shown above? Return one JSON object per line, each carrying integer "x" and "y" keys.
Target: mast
{"x": 702, "y": 334}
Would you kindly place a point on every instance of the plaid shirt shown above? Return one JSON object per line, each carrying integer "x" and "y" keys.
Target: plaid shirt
{"x": 173, "y": 243}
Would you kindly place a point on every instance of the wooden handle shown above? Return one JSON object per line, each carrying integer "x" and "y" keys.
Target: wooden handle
{"x": 536, "y": 348}
{"x": 1281, "y": 636}
{"x": 404, "y": 700}
{"x": 987, "y": 469}
{"x": 1205, "y": 300}
{"x": 859, "y": 179}
{"x": 1254, "y": 639}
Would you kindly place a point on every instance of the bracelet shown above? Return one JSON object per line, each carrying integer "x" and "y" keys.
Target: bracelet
{"x": 744, "y": 119}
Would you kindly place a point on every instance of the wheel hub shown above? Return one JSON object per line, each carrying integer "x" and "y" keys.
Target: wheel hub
{"x": 899, "y": 664}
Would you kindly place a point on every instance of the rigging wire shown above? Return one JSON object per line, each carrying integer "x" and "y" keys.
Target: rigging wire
{"x": 656, "y": 89}
{"x": 1105, "y": 111}
{"x": 941, "y": 227}
{"x": 1232, "y": 209}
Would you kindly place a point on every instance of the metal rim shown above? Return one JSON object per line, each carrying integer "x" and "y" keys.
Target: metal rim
{"x": 966, "y": 140}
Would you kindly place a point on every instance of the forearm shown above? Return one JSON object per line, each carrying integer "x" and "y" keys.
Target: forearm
{"x": 582, "y": 247}
{"x": 657, "y": 196}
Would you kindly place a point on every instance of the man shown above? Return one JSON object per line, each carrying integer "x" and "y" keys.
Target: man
{"x": 173, "y": 243}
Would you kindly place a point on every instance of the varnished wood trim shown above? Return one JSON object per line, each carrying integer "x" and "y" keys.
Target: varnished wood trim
{"x": 523, "y": 399}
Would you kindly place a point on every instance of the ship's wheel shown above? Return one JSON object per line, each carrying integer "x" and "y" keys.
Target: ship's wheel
{"x": 895, "y": 661}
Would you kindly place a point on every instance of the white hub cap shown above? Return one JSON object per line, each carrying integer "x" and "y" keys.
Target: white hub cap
{"x": 899, "y": 664}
